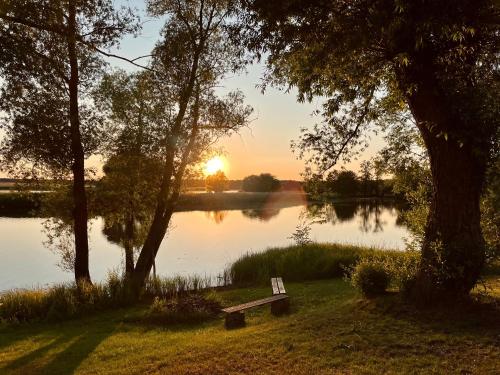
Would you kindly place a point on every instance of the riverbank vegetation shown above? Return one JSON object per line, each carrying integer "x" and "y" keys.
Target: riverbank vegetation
{"x": 298, "y": 263}
{"x": 314, "y": 261}
{"x": 71, "y": 300}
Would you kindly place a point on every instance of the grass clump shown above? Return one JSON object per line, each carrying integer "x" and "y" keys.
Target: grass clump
{"x": 325, "y": 261}
{"x": 371, "y": 278}
{"x": 187, "y": 309}
{"x": 167, "y": 288}
{"x": 63, "y": 301}
{"x": 298, "y": 263}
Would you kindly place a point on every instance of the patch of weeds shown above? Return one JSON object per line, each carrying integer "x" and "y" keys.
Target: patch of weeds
{"x": 186, "y": 309}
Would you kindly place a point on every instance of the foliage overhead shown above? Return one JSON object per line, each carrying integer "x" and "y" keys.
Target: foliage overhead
{"x": 35, "y": 71}
{"x": 364, "y": 57}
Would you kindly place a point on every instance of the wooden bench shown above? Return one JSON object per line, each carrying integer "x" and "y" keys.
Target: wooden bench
{"x": 235, "y": 315}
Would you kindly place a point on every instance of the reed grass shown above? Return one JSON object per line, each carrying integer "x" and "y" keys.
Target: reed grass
{"x": 69, "y": 300}
{"x": 302, "y": 262}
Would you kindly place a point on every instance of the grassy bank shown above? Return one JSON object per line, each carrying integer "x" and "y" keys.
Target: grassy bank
{"x": 330, "y": 329}
{"x": 304, "y": 262}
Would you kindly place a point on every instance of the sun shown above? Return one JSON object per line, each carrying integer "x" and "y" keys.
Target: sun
{"x": 214, "y": 165}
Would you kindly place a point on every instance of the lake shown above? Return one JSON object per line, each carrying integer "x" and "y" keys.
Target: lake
{"x": 200, "y": 242}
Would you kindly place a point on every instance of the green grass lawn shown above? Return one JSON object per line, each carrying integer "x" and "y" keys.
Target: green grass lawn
{"x": 330, "y": 329}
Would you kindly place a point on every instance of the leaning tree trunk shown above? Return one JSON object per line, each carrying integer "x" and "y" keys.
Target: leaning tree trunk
{"x": 80, "y": 214}
{"x": 165, "y": 206}
{"x": 453, "y": 250}
{"x": 150, "y": 248}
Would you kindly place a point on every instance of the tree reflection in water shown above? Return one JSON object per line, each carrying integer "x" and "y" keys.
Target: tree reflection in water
{"x": 216, "y": 216}
{"x": 262, "y": 214}
{"x": 369, "y": 213}
{"x": 129, "y": 236}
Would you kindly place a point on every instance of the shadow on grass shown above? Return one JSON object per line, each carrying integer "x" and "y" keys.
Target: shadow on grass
{"x": 77, "y": 344}
{"x": 147, "y": 322}
{"x": 475, "y": 318}
{"x": 68, "y": 360}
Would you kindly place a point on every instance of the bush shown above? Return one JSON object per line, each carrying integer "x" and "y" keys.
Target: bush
{"x": 399, "y": 268}
{"x": 371, "y": 278}
{"x": 402, "y": 268}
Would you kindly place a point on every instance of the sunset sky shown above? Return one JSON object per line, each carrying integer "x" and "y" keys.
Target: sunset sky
{"x": 277, "y": 118}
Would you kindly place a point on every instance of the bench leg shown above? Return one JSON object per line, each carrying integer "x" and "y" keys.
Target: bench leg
{"x": 235, "y": 320}
{"x": 280, "y": 307}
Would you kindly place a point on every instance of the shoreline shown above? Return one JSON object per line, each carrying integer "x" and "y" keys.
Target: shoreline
{"x": 20, "y": 204}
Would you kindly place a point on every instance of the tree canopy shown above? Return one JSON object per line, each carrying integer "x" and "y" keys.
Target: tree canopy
{"x": 216, "y": 182}
{"x": 432, "y": 65}
{"x": 265, "y": 182}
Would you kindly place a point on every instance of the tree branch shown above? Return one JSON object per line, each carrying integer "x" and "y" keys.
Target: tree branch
{"x": 354, "y": 132}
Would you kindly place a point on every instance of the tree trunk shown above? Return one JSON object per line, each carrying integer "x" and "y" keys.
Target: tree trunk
{"x": 165, "y": 206}
{"x": 129, "y": 260}
{"x": 129, "y": 247}
{"x": 453, "y": 251}
{"x": 80, "y": 214}
{"x": 150, "y": 249}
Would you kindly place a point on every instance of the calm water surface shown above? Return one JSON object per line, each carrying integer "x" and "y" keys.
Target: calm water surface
{"x": 200, "y": 242}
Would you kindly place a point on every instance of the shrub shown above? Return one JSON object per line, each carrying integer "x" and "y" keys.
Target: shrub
{"x": 403, "y": 267}
{"x": 370, "y": 277}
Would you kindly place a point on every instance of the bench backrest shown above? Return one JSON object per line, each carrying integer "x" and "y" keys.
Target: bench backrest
{"x": 277, "y": 285}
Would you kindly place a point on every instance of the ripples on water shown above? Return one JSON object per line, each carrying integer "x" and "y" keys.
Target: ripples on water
{"x": 200, "y": 242}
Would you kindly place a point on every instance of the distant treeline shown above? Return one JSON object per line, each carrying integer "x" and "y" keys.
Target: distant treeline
{"x": 284, "y": 185}
{"x": 52, "y": 204}
{"x": 19, "y": 205}
{"x": 193, "y": 184}
{"x": 347, "y": 183}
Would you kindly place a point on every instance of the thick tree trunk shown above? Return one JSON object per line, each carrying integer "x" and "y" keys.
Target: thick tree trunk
{"x": 453, "y": 249}
{"x": 80, "y": 214}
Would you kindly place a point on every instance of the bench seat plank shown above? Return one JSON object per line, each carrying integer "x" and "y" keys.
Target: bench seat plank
{"x": 259, "y": 302}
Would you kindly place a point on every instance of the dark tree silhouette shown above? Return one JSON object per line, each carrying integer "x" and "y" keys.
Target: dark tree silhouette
{"x": 189, "y": 61}
{"x": 386, "y": 62}
{"x": 264, "y": 182}
{"x": 49, "y": 60}
{"x": 344, "y": 183}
